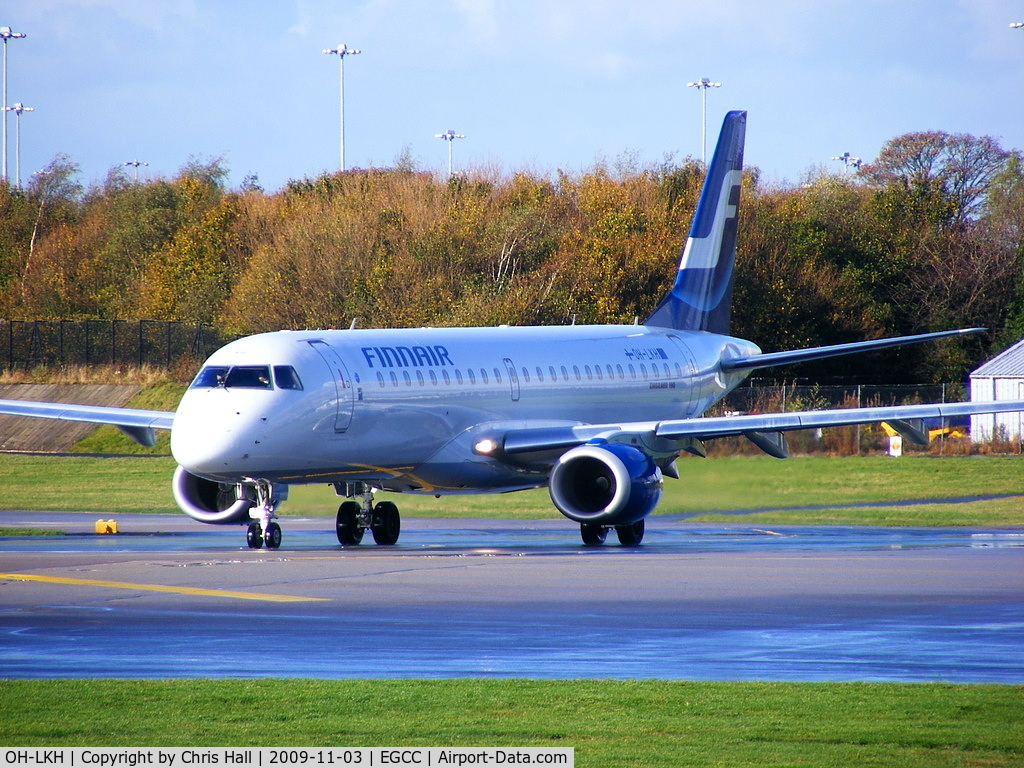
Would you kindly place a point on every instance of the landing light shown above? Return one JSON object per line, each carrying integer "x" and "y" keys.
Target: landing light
{"x": 487, "y": 446}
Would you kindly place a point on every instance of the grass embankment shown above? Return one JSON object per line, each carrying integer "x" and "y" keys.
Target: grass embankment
{"x": 608, "y": 723}
{"x": 801, "y": 491}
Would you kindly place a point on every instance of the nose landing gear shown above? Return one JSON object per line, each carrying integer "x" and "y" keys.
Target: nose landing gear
{"x": 263, "y": 530}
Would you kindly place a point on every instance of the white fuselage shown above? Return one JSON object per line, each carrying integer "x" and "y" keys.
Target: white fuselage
{"x": 401, "y": 409}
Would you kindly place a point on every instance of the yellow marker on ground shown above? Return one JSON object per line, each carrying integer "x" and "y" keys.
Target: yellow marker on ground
{"x": 159, "y": 588}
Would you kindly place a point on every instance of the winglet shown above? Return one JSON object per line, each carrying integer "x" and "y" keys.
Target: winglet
{"x": 701, "y": 297}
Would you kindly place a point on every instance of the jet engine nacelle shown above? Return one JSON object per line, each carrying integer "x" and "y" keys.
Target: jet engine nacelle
{"x": 605, "y": 484}
{"x": 209, "y": 501}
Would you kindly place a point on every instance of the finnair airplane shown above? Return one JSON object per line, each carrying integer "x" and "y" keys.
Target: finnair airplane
{"x": 598, "y": 414}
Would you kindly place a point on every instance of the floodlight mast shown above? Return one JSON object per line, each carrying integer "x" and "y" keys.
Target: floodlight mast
{"x": 17, "y": 109}
{"x": 7, "y": 34}
{"x": 341, "y": 52}
{"x": 449, "y": 136}
{"x": 703, "y": 84}
{"x": 849, "y": 160}
{"x": 135, "y": 163}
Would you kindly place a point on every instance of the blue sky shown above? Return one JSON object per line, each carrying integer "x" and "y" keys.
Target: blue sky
{"x": 536, "y": 85}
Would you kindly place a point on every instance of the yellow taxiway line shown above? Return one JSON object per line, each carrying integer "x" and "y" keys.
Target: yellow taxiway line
{"x": 158, "y": 588}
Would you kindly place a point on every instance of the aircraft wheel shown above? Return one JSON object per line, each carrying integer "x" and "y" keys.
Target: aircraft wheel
{"x": 593, "y": 535}
{"x": 254, "y": 536}
{"x": 272, "y": 537}
{"x": 630, "y": 535}
{"x": 349, "y": 532}
{"x": 386, "y": 523}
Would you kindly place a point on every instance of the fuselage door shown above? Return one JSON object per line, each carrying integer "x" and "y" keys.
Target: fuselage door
{"x": 343, "y": 388}
{"x": 513, "y": 379}
{"x": 691, "y": 381}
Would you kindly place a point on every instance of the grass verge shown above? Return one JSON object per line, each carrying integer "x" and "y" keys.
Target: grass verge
{"x": 980, "y": 491}
{"x": 651, "y": 723}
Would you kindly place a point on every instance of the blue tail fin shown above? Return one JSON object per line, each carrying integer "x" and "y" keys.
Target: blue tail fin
{"x": 701, "y": 297}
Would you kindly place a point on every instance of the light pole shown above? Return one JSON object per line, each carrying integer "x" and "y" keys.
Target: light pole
{"x": 136, "y": 163}
{"x": 703, "y": 84}
{"x": 17, "y": 109}
{"x": 849, "y": 160}
{"x": 341, "y": 52}
{"x": 449, "y": 136}
{"x": 7, "y": 34}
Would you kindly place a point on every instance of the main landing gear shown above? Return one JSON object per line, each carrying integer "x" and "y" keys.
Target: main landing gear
{"x": 629, "y": 535}
{"x": 355, "y": 517}
{"x": 263, "y": 530}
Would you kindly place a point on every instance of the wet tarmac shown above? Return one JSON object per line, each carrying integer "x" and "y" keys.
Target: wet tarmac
{"x": 168, "y": 597}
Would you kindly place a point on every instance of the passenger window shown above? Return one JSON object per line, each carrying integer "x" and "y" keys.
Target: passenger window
{"x": 249, "y": 377}
{"x": 447, "y": 379}
{"x": 576, "y": 371}
{"x": 472, "y": 376}
{"x": 551, "y": 370}
{"x": 394, "y": 379}
{"x": 483, "y": 375}
{"x": 433, "y": 378}
{"x": 565, "y": 374}
{"x": 286, "y": 377}
{"x": 408, "y": 380}
{"x": 458, "y": 377}
{"x": 212, "y": 376}
{"x": 619, "y": 369}
{"x": 540, "y": 374}
{"x": 497, "y": 375}
{"x": 526, "y": 375}
{"x": 380, "y": 378}
{"x": 597, "y": 370}
{"x": 632, "y": 371}
{"x": 419, "y": 378}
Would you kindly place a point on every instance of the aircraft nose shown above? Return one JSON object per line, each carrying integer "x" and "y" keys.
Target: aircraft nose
{"x": 214, "y": 441}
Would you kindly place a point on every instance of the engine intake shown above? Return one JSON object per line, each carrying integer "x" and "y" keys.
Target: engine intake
{"x": 209, "y": 501}
{"x": 605, "y": 484}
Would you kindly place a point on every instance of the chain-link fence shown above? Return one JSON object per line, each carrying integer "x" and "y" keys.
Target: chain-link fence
{"x": 33, "y": 343}
{"x": 782, "y": 397}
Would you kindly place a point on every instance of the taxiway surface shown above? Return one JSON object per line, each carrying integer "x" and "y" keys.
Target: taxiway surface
{"x": 168, "y": 597}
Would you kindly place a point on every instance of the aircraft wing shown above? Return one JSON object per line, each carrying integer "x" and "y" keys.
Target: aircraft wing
{"x": 138, "y": 424}
{"x": 773, "y": 359}
{"x": 763, "y": 429}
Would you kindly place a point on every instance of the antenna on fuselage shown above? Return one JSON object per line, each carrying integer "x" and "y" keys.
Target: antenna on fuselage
{"x": 352, "y": 325}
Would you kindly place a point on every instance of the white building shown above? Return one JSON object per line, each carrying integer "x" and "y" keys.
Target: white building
{"x": 1001, "y": 378}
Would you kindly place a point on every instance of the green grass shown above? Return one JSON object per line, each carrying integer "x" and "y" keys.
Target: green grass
{"x": 18, "y": 532}
{"x": 707, "y": 488}
{"x": 650, "y": 723}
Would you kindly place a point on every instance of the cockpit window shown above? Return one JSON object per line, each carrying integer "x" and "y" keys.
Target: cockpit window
{"x": 211, "y": 376}
{"x": 249, "y": 376}
{"x": 246, "y": 376}
{"x": 286, "y": 377}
